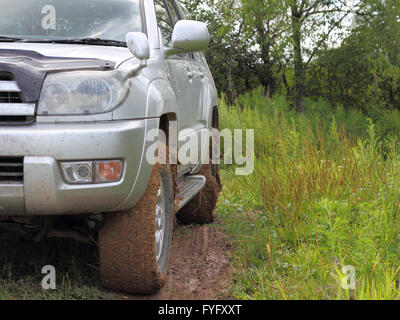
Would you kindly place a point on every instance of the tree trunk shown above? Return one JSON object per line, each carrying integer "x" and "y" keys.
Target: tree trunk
{"x": 289, "y": 93}
{"x": 265, "y": 75}
{"x": 299, "y": 75}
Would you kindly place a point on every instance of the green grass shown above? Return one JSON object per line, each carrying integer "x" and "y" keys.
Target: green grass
{"x": 324, "y": 195}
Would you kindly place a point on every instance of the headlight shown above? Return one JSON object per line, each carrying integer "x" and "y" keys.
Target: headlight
{"x": 82, "y": 92}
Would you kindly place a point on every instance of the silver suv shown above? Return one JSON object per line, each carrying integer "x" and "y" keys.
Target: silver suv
{"x": 106, "y": 114}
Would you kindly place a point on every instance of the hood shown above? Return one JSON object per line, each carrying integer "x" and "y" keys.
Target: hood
{"x": 29, "y": 68}
{"x": 115, "y": 54}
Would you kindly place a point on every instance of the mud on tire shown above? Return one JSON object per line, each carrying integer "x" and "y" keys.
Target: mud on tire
{"x": 201, "y": 208}
{"x": 127, "y": 245}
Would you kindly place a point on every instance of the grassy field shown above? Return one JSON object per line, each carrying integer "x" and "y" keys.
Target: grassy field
{"x": 325, "y": 194}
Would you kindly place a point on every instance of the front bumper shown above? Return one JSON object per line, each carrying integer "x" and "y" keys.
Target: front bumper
{"x": 44, "y": 192}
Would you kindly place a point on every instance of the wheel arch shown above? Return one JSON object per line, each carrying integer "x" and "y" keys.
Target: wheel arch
{"x": 165, "y": 120}
{"x": 215, "y": 118}
{"x": 161, "y": 101}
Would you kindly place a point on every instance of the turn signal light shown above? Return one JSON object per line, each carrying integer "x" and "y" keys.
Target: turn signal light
{"x": 108, "y": 171}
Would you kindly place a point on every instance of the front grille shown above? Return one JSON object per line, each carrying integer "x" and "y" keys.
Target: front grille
{"x": 6, "y": 76}
{"x": 16, "y": 120}
{"x": 12, "y": 109}
{"x": 10, "y": 97}
{"x": 12, "y": 170}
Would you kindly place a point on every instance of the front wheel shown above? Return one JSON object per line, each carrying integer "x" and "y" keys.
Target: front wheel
{"x": 134, "y": 246}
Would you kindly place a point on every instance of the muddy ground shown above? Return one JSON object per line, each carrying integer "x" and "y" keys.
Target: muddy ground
{"x": 199, "y": 266}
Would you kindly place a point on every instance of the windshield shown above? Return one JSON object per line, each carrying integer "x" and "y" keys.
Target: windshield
{"x": 69, "y": 19}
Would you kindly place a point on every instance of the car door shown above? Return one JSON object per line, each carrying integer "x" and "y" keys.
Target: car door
{"x": 187, "y": 83}
{"x": 198, "y": 65}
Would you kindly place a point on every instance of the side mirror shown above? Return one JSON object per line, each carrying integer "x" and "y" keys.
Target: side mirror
{"x": 189, "y": 36}
{"x": 138, "y": 44}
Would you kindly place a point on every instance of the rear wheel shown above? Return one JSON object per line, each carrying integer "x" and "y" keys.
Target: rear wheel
{"x": 213, "y": 154}
{"x": 134, "y": 246}
{"x": 201, "y": 208}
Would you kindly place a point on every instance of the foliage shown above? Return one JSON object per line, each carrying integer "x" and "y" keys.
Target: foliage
{"x": 365, "y": 70}
{"x": 325, "y": 194}
{"x": 232, "y": 62}
{"x": 345, "y": 52}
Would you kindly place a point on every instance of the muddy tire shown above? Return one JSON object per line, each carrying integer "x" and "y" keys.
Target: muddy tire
{"x": 131, "y": 259}
{"x": 201, "y": 208}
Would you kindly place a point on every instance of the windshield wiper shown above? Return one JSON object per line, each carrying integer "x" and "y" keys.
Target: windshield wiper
{"x": 89, "y": 41}
{"x": 9, "y": 39}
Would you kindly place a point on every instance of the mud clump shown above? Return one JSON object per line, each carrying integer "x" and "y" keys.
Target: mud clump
{"x": 201, "y": 208}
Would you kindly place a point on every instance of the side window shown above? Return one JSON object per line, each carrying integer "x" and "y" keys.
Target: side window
{"x": 176, "y": 15}
{"x": 164, "y": 21}
{"x": 184, "y": 11}
{"x": 167, "y": 16}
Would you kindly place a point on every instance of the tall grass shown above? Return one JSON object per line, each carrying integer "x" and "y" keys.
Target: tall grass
{"x": 325, "y": 194}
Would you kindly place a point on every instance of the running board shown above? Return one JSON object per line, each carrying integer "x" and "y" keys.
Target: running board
{"x": 189, "y": 187}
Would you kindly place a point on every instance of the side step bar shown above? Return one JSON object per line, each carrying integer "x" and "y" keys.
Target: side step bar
{"x": 189, "y": 187}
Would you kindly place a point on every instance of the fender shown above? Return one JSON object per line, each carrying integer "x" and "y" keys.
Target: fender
{"x": 160, "y": 100}
{"x": 156, "y": 95}
{"x": 156, "y": 98}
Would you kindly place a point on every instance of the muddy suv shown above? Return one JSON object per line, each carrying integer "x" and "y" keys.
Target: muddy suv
{"x": 106, "y": 114}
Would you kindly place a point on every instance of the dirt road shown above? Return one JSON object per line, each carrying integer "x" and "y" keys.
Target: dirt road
{"x": 199, "y": 266}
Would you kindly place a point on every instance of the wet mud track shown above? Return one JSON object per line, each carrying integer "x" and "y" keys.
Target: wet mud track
{"x": 199, "y": 266}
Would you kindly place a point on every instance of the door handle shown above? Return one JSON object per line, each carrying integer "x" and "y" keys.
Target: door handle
{"x": 190, "y": 74}
{"x": 201, "y": 73}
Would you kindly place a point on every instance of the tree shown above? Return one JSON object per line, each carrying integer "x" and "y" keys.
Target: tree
{"x": 364, "y": 71}
{"x": 379, "y": 32}
{"x": 312, "y": 23}
{"x": 263, "y": 22}
{"x": 229, "y": 55}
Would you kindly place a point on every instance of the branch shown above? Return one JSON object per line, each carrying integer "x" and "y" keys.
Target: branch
{"x": 324, "y": 38}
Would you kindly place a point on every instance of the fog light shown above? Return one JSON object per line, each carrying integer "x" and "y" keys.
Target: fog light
{"x": 78, "y": 172}
{"x": 109, "y": 171}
